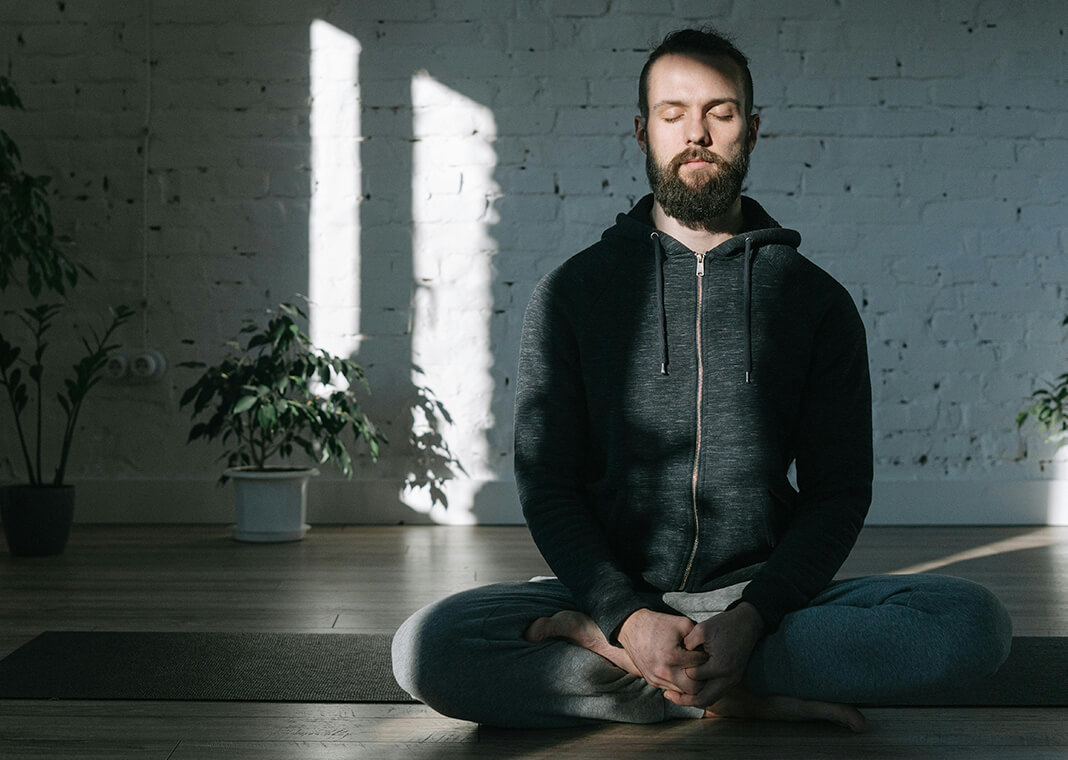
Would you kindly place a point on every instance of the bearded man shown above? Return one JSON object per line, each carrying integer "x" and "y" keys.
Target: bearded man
{"x": 670, "y": 375}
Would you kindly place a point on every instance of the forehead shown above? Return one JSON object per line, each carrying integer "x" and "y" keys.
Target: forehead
{"x": 687, "y": 78}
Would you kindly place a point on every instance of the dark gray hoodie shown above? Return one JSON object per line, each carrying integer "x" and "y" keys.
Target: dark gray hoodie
{"x": 662, "y": 396}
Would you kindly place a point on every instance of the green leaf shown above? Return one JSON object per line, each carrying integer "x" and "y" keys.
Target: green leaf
{"x": 266, "y": 417}
{"x": 244, "y": 404}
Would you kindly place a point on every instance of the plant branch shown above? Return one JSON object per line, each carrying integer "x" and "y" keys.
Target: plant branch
{"x": 10, "y": 384}
{"x": 87, "y": 374}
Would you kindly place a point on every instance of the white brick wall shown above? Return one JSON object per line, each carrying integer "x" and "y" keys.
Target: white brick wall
{"x": 920, "y": 149}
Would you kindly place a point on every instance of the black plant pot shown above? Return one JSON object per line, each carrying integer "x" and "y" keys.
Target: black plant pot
{"x": 37, "y": 519}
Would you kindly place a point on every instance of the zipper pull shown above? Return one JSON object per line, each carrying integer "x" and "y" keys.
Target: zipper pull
{"x": 700, "y": 264}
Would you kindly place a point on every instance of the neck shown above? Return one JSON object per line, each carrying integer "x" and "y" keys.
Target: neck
{"x": 717, "y": 231}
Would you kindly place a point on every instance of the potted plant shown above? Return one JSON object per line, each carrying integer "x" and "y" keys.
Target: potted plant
{"x": 267, "y": 398}
{"x": 1049, "y": 407}
{"x": 37, "y": 515}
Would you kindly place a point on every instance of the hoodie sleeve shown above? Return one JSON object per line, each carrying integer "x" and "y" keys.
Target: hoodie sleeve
{"x": 553, "y": 459}
{"x": 834, "y": 470}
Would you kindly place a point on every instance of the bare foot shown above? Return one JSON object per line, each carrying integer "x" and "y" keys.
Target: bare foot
{"x": 580, "y": 630}
{"x": 740, "y": 703}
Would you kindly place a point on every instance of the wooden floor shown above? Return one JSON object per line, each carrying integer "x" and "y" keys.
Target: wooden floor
{"x": 368, "y": 579}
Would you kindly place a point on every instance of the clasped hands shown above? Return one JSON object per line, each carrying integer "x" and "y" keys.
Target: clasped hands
{"x": 695, "y": 664}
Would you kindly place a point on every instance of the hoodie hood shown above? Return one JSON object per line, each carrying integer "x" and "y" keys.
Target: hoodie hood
{"x": 759, "y": 230}
{"x": 758, "y": 226}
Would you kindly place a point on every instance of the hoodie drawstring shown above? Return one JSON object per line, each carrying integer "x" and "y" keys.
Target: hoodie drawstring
{"x": 747, "y": 303}
{"x": 658, "y": 250}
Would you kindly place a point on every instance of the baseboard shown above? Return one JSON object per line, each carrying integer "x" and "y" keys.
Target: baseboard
{"x": 330, "y": 501}
{"x": 970, "y": 502}
{"x": 384, "y": 502}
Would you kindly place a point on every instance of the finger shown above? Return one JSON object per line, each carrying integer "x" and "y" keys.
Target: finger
{"x": 670, "y": 678}
{"x": 674, "y": 680}
{"x": 695, "y": 639}
{"x": 708, "y": 694}
{"x": 687, "y": 658}
{"x": 683, "y": 684}
{"x": 712, "y": 670}
{"x": 712, "y": 691}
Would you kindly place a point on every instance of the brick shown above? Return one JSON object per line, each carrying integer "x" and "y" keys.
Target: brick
{"x": 805, "y": 35}
{"x": 577, "y": 7}
{"x": 594, "y": 121}
{"x": 618, "y": 91}
{"x": 932, "y": 189}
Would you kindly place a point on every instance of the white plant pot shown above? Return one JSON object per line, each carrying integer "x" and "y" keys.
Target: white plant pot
{"x": 271, "y": 504}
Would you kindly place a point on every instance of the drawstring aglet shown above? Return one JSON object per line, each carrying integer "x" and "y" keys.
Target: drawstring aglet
{"x": 663, "y": 369}
{"x": 748, "y": 376}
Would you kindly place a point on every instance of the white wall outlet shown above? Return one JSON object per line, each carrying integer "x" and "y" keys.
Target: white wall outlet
{"x": 148, "y": 365}
{"x": 117, "y": 367}
{"x": 132, "y": 366}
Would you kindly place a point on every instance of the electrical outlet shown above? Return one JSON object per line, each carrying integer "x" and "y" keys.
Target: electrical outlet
{"x": 136, "y": 366}
{"x": 148, "y": 365}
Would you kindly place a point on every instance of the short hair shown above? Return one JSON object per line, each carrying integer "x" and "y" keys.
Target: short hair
{"x": 697, "y": 43}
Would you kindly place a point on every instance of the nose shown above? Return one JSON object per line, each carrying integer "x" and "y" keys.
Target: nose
{"x": 697, "y": 131}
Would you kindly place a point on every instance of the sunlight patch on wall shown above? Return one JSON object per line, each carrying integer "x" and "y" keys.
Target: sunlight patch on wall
{"x": 334, "y": 217}
{"x": 1057, "y": 509}
{"x": 453, "y": 192}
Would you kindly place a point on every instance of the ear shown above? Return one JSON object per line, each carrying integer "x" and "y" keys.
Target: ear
{"x": 754, "y": 129}
{"x": 641, "y": 133}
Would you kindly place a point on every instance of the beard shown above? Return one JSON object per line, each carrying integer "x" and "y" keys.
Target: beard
{"x": 697, "y": 206}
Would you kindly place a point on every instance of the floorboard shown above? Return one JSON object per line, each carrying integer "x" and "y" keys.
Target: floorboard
{"x": 368, "y": 579}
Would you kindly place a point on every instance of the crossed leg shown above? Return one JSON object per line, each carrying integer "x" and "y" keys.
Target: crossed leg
{"x": 580, "y": 630}
{"x": 507, "y": 655}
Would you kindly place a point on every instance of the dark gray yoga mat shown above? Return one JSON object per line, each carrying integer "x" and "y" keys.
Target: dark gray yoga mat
{"x": 240, "y": 667}
{"x": 1034, "y": 675}
{"x": 307, "y": 667}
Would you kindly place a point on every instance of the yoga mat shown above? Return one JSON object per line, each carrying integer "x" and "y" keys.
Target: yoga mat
{"x": 1034, "y": 675}
{"x": 239, "y": 667}
{"x": 306, "y": 667}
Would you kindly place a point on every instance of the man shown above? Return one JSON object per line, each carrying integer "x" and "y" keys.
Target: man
{"x": 670, "y": 374}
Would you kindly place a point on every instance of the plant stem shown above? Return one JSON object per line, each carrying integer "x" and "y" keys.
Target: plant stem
{"x": 42, "y": 326}
{"x": 40, "y": 413}
{"x": 262, "y": 459}
{"x": 94, "y": 364}
{"x": 18, "y": 428}
{"x": 68, "y": 436}
{"x": 251, "y": 439}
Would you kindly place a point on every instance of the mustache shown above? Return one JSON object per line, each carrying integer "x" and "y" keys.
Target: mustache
{"x": 696, "y": 153}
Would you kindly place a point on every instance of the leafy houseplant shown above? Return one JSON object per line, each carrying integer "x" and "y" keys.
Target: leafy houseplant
{"x": 272, "y": 395}
{"x": 27, "y": 237}
{"x": 37, "y": 515}
{"x": 1049, "y": 407}
{"x": 88, "y": 371}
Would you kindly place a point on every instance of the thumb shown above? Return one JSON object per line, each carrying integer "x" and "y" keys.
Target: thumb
{"x": 695, "y": 639}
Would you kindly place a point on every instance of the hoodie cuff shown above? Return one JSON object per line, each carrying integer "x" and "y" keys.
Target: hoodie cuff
{"x": 610, "y": 614}
{"x": 772, "y": 601}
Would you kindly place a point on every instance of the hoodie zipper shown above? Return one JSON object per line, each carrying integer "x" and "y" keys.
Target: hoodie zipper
{"x": 697, "y": 447}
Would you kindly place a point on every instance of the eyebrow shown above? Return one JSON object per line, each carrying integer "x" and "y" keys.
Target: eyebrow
{"x": 683, "y": 104}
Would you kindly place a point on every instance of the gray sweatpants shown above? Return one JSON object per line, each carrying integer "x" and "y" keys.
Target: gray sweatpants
{"x": 865, "y": 640}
